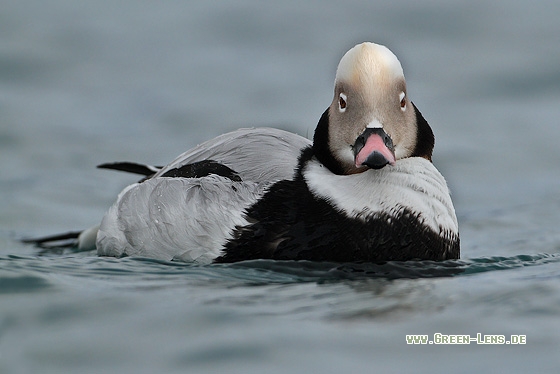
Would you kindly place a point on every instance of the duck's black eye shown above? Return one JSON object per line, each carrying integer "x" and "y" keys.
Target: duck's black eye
{"x": 342, "y": 102}
{"x": 402, "y": 96}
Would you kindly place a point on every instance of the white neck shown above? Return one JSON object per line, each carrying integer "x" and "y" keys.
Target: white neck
{"x": 412, "y": 183}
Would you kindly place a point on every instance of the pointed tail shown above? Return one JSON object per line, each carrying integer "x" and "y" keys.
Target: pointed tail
{"x": 81, "y": 240}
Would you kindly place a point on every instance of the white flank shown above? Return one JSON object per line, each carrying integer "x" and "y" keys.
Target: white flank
{"x": 190, "y": 219}
{"x": 187, "y": 219}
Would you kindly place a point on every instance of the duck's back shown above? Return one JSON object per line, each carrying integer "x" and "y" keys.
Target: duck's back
{"x": 255, "y": 154}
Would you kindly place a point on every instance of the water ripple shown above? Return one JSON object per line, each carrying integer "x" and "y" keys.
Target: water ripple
{"x": 28, "y": 273}
{"x": 310, "y": 271}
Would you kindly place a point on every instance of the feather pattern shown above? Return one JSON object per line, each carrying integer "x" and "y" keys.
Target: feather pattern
{"x": 256, "y": 154}
{"x": 353, "y": 195}
{"x": 401, "y": 214}
{"x": 412, "y": 183}
{"x": 187, "y": 219}
{"x": 172, "y": 217}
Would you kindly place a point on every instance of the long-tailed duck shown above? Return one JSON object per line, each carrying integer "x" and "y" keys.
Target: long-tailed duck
{"x": 364, "y": 190}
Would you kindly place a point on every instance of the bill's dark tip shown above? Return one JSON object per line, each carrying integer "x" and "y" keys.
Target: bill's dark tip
{"x": 375, "y": 161}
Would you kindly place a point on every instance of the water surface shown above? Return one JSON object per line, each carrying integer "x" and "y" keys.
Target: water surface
{"x": 82, "y": 83}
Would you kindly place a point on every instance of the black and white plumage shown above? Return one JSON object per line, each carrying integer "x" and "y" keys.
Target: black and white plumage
{"x": 364, "y": 190}
{"x": 188, "y": 218}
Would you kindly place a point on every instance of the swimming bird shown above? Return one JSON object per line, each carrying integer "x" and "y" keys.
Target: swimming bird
{"x": 365, "y": 189}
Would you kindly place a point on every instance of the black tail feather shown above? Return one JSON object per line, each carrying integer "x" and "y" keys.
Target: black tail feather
{"x": 66, "y": 240}
{"x": 131, "y": 167}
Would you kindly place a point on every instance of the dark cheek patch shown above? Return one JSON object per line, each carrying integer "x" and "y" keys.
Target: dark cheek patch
{"x": 425, "y": 138}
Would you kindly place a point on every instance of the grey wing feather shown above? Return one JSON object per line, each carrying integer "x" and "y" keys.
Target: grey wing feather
{"x": 190, "y": 219}
{"x": 256, "y": 154}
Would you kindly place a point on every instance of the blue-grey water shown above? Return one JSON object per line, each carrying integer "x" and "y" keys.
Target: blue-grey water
{"x": 87, "y": 82}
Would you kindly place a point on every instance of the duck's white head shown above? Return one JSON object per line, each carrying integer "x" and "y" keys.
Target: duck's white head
{"x": 371, "y": 122}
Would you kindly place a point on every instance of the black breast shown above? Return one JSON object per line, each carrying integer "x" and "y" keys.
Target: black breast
{"x": 289, "y": 223}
